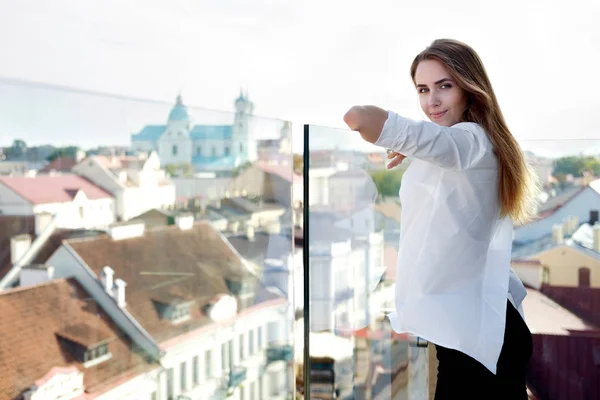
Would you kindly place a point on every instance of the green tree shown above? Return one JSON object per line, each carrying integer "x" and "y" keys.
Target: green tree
{"x": 17, "y": 149}
{"x": 576, "y": 165}
{"x": 387, "y": 181}
{"x": 69, "y": 151}
{"x": 182, "y": 169}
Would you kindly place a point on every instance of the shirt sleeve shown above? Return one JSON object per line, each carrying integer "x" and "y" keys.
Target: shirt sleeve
{"x": 457, "y": 147}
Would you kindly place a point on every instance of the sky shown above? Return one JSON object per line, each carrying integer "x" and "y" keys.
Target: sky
{"x": 306, "y": 62}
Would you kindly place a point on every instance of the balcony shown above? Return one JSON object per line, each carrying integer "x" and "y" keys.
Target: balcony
{"x": 353, "y": 199}
{"x": 280, "y": 352}
{"x": 236, "y": 376}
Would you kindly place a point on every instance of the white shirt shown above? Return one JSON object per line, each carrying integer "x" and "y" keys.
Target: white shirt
{"x": 453, "y": 267}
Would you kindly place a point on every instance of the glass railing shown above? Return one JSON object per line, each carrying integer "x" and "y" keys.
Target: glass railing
{"x": 146, "y": 248}
{"x": 353, "y": 236}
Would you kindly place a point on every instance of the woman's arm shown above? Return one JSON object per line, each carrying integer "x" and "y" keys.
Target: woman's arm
{"x": 457, "y": 147}
{"x": 367, "y": 120}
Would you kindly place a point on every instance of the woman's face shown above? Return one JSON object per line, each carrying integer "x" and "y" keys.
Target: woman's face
{"x": 441, "y": 98}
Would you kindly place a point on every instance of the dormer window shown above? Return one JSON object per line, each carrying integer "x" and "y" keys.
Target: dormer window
{"x": 95, "y": 353}
{"x": 180, "y": 313}
{"x": 89, "y": 346}
{"x": 171, "y": 307}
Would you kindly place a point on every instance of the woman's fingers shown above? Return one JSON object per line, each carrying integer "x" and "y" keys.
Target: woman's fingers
{"x": 397, "y": 160}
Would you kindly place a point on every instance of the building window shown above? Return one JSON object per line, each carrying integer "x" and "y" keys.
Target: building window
{"x": 252, "y": 391}
{"x": 196, "y": 371}
{"x": 81, "y": 212}
{"x": 224, "y": 357}
{"x": 214, "y": 151}
{"x": 198, "y": 150}
{"x": 242, "y": 346}
{"x": 183, "y": 376}
{"x": 174, "y": 150}
{"x": 260, "y": 337}
{"x": 241, "y": 147}
{"x": 226, "y": 150}
{"x": 95, "y": 353}
{"x": 251, "y": 342}
{"x": 180, "y": 313}
{"x": 170, "y": 387}
{"x": 208, "y": 364}
{"x": 584, "y": 277}
{"x": 153, "y": 396}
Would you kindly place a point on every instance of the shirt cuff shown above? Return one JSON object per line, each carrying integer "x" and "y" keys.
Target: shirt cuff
{"x": 392, "y": 129}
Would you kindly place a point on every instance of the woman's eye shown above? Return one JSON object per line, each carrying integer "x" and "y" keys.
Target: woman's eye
{"x": 446, "y": 85}
{"x": 422, "y": 90}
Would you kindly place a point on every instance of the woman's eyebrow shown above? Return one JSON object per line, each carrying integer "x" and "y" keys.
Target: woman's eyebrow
{"x": 436, "y": 82}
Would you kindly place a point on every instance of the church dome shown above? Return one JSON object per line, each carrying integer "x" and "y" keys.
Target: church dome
{"x": 179, "y": 111}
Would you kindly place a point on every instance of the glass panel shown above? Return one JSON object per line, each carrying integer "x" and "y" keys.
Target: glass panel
{"x": 352, "y": 242}
{"x": 162, "y": 230}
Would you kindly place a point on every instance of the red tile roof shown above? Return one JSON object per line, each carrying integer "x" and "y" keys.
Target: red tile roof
{"x": 30, "y": 345}
{"x": 45, "y": 189}
{"x": 167, "y": 262}
{"x": 61, "y": 164}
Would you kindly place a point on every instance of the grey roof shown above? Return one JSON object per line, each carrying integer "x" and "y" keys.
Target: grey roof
{"x": 580, "y": 241}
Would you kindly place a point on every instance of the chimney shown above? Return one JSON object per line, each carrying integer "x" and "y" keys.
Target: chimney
{"x": 596, "y": 230}
{"x": 593, "y": 217}
{"x": 42, "y": 220}
{"x": 574, "y": 223}
{"x": 106, "y": 276}
{"x": 119, "y": 292}
{"x": 557, "y": 234}
{"x": 35, "y": 274}
{"x": 234, "y": 226}
{"x": 274, "y": 228}
{"x": 184, "y": 221}
{"x": 18, "y": 247}
{"x": 250, "y": 232}
{"x": 566, "y": 223}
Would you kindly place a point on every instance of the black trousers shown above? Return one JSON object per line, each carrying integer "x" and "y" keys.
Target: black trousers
{"x": 462, "y": 377}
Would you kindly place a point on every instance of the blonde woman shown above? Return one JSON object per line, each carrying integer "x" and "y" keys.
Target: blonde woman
{"x": 466, "y": 184}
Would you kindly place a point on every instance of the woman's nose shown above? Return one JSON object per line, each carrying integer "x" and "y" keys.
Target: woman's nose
{"x": 434, "y": 100}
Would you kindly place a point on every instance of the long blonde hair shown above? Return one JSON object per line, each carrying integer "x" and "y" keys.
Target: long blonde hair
{"x": 517, "y": 184}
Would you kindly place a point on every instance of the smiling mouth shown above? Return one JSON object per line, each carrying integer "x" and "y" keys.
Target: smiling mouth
{"x": 438, "y": 115}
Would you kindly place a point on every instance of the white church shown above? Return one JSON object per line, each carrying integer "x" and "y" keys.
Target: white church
{"x": 205, "y": 147}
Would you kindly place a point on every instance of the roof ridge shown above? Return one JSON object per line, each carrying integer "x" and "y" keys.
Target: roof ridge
{"x": 23, "y": 288}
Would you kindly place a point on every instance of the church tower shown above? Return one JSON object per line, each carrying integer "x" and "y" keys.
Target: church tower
{"x": 243, "y": 146}
{"x": 174, "y": 145}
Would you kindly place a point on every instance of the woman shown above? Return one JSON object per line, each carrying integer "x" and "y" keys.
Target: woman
{"x": 466, "y": 185}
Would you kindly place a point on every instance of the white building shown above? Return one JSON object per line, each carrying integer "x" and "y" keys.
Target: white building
{"x": 138, "y": 184}
{"x": 75, "y": 201}
{"x": 187, "y": 299}
{"x": 206, "y": 147}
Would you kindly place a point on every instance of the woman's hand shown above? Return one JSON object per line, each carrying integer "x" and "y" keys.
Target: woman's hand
{"x": 367, "y": 120}
{"x": 397, "y": 158}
